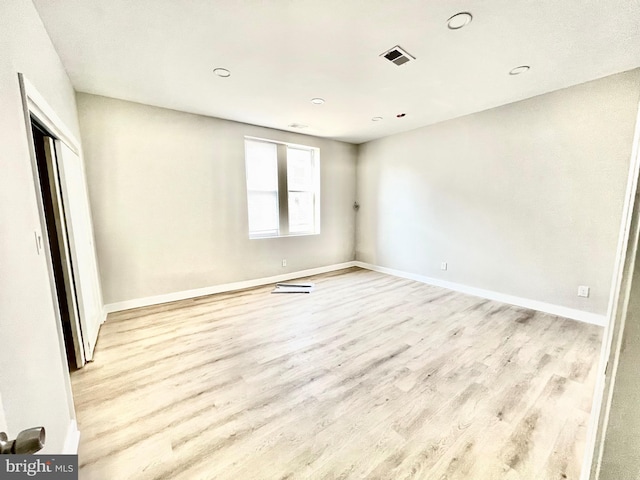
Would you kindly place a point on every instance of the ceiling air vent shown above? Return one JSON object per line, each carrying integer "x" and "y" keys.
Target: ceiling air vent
{"x": 398, "y": 56}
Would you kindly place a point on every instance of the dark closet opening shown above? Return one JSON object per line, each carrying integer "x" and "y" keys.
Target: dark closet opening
{"x": 55, "y": 229}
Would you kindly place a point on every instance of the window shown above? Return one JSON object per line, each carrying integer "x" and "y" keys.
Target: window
{"x": 283, "y": 188}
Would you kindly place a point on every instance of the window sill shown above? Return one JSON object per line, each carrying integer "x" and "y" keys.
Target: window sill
{"x": 261, "y": 237}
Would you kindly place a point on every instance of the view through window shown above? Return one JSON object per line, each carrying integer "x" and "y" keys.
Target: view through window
{"x": 283, "y": 188}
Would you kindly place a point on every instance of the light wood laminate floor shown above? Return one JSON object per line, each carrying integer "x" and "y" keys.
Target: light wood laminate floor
{"x": 370, "y": 376}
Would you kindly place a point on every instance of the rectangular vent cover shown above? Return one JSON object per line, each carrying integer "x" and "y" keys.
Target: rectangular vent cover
{"x": 397, "y": 55}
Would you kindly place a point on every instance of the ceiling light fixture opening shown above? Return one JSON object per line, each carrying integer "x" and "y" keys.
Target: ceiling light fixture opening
{"x": 376, "y": 119}
{"x": 222, "y": 72}
{"x": 459, "y": 20}
{"x": 317, "y": 101}
{"x": 519, "y": 70}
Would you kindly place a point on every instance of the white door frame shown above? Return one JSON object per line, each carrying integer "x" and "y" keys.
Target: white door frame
{"x": 616, "y": 317}
{"x": 35, "y": 105}
{"x": 3, "y": 420}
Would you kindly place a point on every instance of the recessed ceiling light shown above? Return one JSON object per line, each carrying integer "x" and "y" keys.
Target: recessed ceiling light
{"x": 376, "y": 119}
{"x": 317, "y": 101}
{"x": 222, "y": 72}
{"x": 297, "y": 125}
{"x": 400, "y": 115}
{"x": 459, "y": 20}
{"x": 519, "y": 70}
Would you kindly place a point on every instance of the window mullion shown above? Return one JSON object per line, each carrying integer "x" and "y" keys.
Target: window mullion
{"x": 283, "y": 190}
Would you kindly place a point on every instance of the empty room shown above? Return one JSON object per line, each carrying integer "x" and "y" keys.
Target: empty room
{"x": 305, "y": 239}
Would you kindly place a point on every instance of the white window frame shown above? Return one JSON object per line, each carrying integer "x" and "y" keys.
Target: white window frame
{"x": 283, "y": 190}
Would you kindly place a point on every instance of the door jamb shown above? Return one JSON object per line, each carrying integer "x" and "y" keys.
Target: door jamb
{"x": 35, "y": 105}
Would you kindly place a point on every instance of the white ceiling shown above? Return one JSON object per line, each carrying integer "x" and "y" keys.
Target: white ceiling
{"x": 282, "y": 53}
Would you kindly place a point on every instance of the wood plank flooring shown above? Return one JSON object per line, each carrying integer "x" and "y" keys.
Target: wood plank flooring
{"x": 370, "y": 376}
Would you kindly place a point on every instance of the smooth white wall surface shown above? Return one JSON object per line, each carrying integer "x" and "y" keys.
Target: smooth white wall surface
{"x": 524, "y": 199}
{"x": 34, "y": 379}
{"x": 168, "y": 198}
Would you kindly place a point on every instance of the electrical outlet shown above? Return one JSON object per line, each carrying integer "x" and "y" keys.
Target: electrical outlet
{"x": 583, "y": 291}
{"x": 284, "y": 262}
{"x": 443, "y": 266}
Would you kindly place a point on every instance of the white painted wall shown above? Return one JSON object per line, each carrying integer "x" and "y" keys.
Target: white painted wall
{"x": 34, "y": 380}
{"x": 524, "y": 199}
{"x": 169, "y": 205}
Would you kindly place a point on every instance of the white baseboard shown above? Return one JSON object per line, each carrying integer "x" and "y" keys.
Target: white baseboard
{"x": 561, "y": 311}
{"x": 558, "y": 310}
{"x": 72, "y": 440}
{"x": 227, "y": 287}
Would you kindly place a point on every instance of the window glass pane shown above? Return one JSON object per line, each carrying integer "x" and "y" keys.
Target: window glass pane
{"x": 264, "y": 168}
{"x": 262, "y": 165}
{"x": 263, "y": 213}
{"x": 301, "y": 212}
{"x": 299, "y": 169}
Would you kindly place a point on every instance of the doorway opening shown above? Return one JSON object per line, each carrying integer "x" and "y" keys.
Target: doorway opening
{"x": 44, "y": 144}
